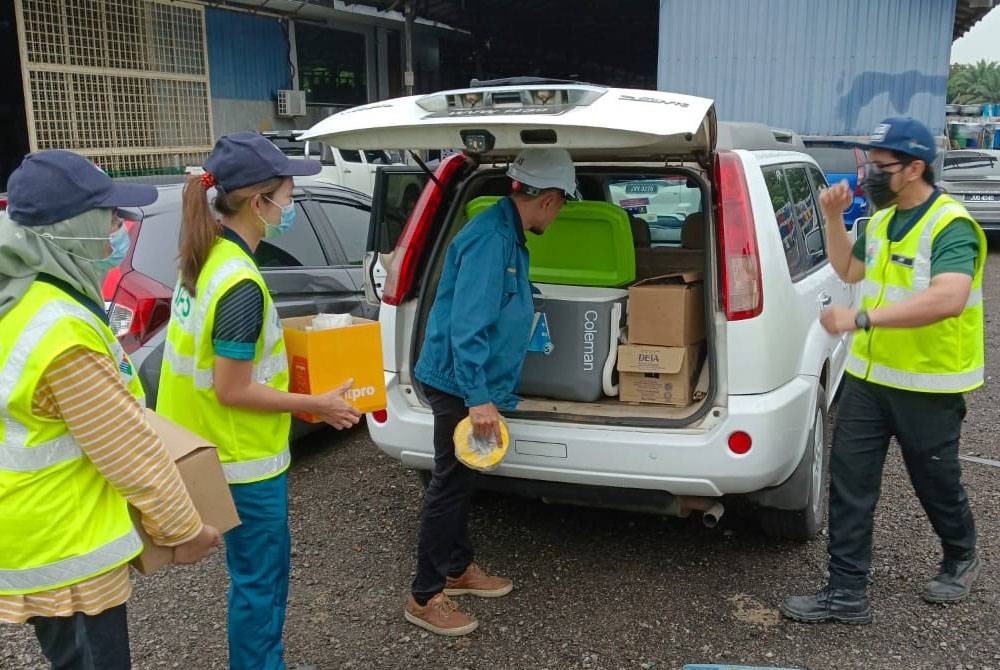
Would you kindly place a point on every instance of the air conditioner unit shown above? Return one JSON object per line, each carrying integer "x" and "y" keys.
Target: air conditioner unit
{"x": 291, "y": 103}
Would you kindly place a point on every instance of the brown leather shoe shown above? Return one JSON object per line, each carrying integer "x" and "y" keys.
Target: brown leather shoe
{"x": 474, "y": 581}
{"x": 440, "y": 615}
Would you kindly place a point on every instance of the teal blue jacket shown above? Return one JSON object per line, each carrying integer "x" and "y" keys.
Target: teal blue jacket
{"x": 479, "y": 326}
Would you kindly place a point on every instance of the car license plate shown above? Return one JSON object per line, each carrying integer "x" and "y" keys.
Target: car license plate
{"x": 640, "y": 188}
{"x": 982, "y": 197}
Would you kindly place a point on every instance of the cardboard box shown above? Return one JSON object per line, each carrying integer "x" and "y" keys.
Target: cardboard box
{"x": 667, "y": 311}
{"x": 321, "y": 360}
{"x": 658, "y": 261}
{"x": 201, "y": 472}
{"x": 661, "y": 375}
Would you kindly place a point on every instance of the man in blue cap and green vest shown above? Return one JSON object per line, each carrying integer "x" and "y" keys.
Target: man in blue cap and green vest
{"x": 917, "y": 348}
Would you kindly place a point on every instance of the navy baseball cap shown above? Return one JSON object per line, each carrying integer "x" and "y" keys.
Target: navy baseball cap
{"x": 54, "y": 185}
{"x": 242, "y": 159}
{"x": 905, "y": 135}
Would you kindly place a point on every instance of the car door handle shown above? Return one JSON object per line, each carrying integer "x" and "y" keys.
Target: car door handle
{"x": 825, "y": 299}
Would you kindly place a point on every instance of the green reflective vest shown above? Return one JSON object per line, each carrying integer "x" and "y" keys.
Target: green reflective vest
{"x": 253, "y": 445}
{"x": 61, "y": 521}
{"x": 943, "y": 357}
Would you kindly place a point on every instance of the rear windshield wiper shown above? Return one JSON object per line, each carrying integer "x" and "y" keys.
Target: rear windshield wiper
{"x": 969, "y": 162}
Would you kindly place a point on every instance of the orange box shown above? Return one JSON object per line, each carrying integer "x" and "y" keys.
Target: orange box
{"x": 321, "y": 360}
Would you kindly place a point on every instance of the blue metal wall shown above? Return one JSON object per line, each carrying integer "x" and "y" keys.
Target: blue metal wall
{"x": 816, "y": 66}
{"x": 247, "y": 55}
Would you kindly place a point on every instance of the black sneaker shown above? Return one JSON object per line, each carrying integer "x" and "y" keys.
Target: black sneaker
{"x": 954, "y": 581}
{"x": 842, "y": 605}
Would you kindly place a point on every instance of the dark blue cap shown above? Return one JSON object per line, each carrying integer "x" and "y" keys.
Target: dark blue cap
{"x": 905, "y": 135}
{"x": 243, "y": 159}
{"x": 54, "y": 185}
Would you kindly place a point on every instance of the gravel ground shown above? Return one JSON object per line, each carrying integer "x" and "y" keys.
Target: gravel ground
{"x": 594, "y": 589}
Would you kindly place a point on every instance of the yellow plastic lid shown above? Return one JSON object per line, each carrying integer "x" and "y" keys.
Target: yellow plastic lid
{"x": 477, "y": 454}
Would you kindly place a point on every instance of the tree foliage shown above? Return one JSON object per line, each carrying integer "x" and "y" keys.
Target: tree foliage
{"x": 975, "y": 83}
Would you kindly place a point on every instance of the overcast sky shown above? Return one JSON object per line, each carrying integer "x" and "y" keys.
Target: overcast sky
{"x": 981, "y": 42}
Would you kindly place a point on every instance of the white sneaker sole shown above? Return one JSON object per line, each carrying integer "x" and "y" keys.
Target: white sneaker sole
{"x": 495, "y": 593}
{"x": 450, "y": 632}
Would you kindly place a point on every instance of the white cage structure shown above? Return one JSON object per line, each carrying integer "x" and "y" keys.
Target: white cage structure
{"x": 123, "y": 82}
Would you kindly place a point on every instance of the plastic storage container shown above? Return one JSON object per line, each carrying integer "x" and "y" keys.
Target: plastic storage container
{"x": 589, "y": 244}
{"x": 575, "y": 343}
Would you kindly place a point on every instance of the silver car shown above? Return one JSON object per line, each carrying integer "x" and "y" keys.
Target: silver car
{"x": 972, "y": 176}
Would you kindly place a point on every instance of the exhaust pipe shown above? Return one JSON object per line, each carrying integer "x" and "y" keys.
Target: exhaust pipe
{"x": 711, "y": 508}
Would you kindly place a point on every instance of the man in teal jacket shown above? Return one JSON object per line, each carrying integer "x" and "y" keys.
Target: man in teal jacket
{"x": 470, "y": 364}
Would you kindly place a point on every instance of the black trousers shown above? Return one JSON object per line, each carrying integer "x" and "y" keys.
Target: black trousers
{"x": 85, "y": 642}
{"x": 444, "y": 549}
{"x": 927, "y": 427}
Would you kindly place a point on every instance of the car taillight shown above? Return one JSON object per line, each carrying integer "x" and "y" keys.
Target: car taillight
{"x": 402, "y": 272}
{"x": 141, "y": 307}
{"x": 3, "y": 204}
{"x": 742, "y": 290}
{"x": 114, "y": 275}
{"x": 860, "y": 159}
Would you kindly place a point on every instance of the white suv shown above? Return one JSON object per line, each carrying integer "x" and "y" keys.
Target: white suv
{"x": 771, "y": 371}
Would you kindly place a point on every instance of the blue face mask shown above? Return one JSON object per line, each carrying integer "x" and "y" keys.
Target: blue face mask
{"x": 286, "y": 222}
{"x": 120, "y": 242}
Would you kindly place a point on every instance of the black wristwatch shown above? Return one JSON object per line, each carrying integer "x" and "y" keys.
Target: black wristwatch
{"x": 862, "y": 321}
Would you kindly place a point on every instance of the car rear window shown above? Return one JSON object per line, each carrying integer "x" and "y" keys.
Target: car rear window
{"x": 835, "y": 159}
{"x": 156, "y": 248}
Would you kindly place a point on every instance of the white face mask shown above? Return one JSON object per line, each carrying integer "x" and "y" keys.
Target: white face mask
{"x": 119, "y": 240}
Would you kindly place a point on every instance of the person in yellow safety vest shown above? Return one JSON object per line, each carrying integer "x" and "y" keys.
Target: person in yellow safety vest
{"x": 225, "y": 374}
{"x": 917, "y": 348}
{"x": 75, "y": 446}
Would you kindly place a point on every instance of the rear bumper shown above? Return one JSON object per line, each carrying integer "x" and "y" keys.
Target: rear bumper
{"x": 693, "y": 461}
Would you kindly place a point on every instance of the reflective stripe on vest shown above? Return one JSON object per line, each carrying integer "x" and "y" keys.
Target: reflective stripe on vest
{"x": 945, "y": 382}
{"x": 896, "y": 271}
{"x": 204, "y": 379}
{"x": 262, "y": 467}
{"x": 115, "y": 552}
{"x": 15, "y": 455}
{"x": 269, "y": 366}
{"x": 922, "y": 260}
{"x": 248, "y": 441}
{"x": 893, "y": 294}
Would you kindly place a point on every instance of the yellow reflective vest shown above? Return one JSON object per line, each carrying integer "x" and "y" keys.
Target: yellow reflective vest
{"x": 253, "y": 445}
{"x": 943, "y": 357}
{"x": 61, "y": 521}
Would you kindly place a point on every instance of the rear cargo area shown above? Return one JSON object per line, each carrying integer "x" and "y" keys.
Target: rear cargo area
{"x": 619, "y": 334}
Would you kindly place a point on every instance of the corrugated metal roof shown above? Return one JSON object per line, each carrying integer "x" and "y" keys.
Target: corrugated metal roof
{"x": 816, "y": 66}
{"x": 461, "y": 13}
{"x": 247, "y": 55}
{"x": 968, "y": 13}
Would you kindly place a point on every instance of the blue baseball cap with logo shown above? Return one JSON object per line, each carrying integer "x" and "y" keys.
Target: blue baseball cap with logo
{"x": 904, "y": 135}
{"x": 55, "y": 185}
{"x": 247, "y": 158}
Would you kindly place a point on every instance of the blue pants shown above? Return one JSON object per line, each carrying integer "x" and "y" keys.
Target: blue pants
{"x": 258, "y": 555}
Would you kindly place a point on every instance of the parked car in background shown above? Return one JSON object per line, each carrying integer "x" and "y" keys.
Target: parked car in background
{"x": 314, "y": 267}
{"x": 840, "y": 160}
{"x": 344, "y": 167}
{"x": 972, "y": 176}
{"x": 759, "y": 431}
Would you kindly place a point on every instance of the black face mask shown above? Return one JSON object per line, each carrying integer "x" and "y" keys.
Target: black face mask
{"x": 876, "y": 186}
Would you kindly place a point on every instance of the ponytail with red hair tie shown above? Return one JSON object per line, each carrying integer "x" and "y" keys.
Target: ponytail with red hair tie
{"x": 207, "y": 179}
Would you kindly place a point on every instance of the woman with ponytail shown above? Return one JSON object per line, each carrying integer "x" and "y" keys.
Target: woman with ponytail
{"x": 225, "y": 374}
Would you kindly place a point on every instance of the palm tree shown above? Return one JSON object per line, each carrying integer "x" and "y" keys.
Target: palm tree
{"x": 971, "y": 84}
